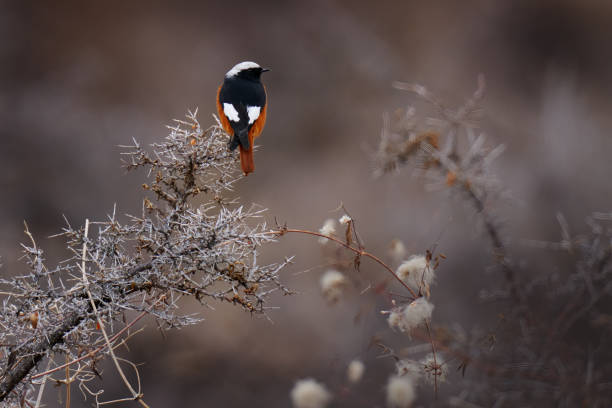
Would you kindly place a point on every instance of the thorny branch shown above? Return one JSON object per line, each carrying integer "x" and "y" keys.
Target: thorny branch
{"x": 172, "y": 250}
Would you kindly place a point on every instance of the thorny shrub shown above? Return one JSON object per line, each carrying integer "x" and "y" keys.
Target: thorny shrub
{"x": 143, "y": 265}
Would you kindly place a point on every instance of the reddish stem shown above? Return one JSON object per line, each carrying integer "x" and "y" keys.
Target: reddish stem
{"x": 358, "y": 251}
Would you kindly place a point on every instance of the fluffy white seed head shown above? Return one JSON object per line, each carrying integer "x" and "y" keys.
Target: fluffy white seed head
{"x": 345, "y": 219}
{"x": 333, "y": 284}
{"x": 395, "y": 318}
{"x": 355, "y": 371}
{"x": 407, "y": 317}
{"x": 308, "y": 393}
{"x": 328, "y": 228}
{"x": 400, "y": 392}
{"x": 417, "y": 273}
{"x": 397, "y": 250}
{"x": 433, "y": 368}
{"x": 416, "y": 313}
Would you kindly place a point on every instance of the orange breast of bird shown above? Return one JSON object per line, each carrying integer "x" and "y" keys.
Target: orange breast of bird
{"x": 224, "y": 120}
{"x": 258, "y": 125}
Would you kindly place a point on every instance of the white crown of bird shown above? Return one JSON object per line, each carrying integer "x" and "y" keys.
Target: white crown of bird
{"x": 241, "y": 67}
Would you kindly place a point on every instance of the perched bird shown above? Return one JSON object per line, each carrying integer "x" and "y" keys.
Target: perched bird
{"x": 241, "y": 103}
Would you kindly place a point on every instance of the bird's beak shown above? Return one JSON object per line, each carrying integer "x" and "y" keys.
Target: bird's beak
{"x": 265, "y": 69}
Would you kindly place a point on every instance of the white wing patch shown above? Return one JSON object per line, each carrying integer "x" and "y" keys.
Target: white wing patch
{"x": 253, "y": 112}
{"x": 231, "y": 112}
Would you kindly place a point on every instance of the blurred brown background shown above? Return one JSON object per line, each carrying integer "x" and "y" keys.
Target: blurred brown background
{"x": 79, "y": 78}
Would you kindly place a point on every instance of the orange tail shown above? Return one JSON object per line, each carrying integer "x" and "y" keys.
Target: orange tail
{"x": 246, "y": 160}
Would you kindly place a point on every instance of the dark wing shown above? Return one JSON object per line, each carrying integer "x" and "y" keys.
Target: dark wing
{"x": 242, "y": 102}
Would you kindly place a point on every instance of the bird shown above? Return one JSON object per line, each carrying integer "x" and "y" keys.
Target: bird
{"x": 242, "y": 108}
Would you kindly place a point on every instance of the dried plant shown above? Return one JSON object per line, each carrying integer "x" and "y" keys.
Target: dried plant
{"x": 450, "y": 152}
{"x": 189, "y": 241}
{"x": 411, "y": 313}
{"x": 549, "y": 347}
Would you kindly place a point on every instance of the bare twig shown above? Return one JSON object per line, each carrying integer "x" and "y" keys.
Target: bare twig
{"x": 360, "y": 252}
